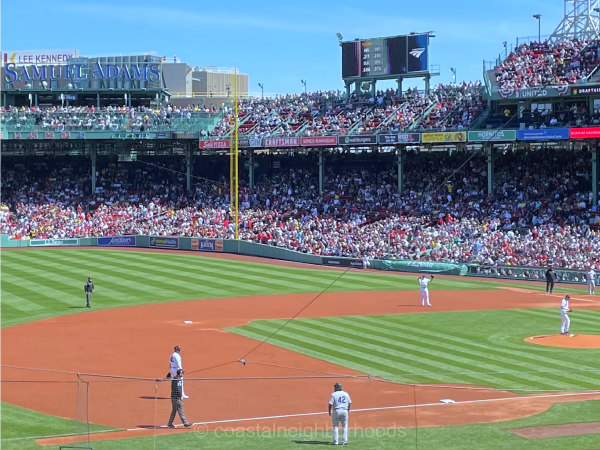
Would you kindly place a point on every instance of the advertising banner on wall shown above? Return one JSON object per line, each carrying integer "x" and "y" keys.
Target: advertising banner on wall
{"x": 282, "y": 142}
{"x": 318, "y": 141}
{"x": 358, "y": 139}
{"x": 164, "y": 242}
{"x": 543, "y": 134}
{"x": 207, "y": 245}
{"x": 341, "y": 262}
{"x": 492, "y": 135}
{"x": 451, "y": 136}
{"x": 53, "y": 242}
{"x": 584, "y": 133}
{"x": 401, "y": 138}
{"x": 215, "y": 143}
{"x": 116, "y": 241}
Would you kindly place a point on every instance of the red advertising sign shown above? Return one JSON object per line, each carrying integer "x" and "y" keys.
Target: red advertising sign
{"x": 282, "y": 142}
{"x": 215, "y": 143}
{"x": 584, "y": 133}
{"x": 316, "y": 141}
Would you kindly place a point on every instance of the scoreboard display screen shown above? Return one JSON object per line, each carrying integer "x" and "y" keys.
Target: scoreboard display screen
{"x": 385, "y": 57}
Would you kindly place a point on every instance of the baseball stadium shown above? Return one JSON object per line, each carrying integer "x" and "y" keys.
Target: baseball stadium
{"x": 186, "y": 265}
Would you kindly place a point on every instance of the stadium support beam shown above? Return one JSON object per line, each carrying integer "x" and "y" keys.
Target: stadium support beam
{"x": 188, "y": 160}
{"x": 595, "y": 174}
{"x": 92, "y": 152}
{"x": 490, "y": 168}
{"x": 400, "y": 160}
{"x": 251, "y": 169}
{"x": 321, "y": 170}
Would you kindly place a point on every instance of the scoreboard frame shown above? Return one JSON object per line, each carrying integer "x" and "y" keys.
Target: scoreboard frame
{"x": 385, "y": 57}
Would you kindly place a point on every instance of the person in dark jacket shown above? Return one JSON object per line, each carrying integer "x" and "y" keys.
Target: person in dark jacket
{"x": 176, "y": 400}
{"x": 550, "y": 277}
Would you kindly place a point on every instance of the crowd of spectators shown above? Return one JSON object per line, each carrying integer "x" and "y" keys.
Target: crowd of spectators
{"x": 90, "y": 118}
{"x": 541, "y": 212}
{"x": 445, "y": 107}
{"x": 548, "y": 64}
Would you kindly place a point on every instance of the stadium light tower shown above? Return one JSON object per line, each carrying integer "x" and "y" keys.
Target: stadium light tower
{"x": 539, "y": 19}
{"x": 262, "y": 91}
{"x": 453, "y": 70}
{"x": 340, "y": 37}
{"x": 580, "y": 21}
{"x": 303, "y": 84}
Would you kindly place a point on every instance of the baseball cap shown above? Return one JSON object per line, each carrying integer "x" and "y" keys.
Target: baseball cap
{"x": 337, "y": 385}
{"x": 177, "y": 347}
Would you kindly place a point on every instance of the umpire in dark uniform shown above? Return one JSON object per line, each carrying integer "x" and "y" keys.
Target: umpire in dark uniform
{"x": 550, "y": 277}
{"x": 176, "y": 401}
{"x": 88, "y": 287}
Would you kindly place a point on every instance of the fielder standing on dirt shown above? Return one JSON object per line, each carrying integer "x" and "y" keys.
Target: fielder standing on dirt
{"x": 423, "y": 282}
{"x": 175, "y": 366}
{"x": 339, "y": 406}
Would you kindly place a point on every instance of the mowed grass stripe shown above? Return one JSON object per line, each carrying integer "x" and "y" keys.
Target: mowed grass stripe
{"x": 422, "y": 355}
{"x": 225, "y": 269}
{"x": 52, "y": 283}
{"x": 164, "y": 281}
{"x": 538, "y": 355}
{"x": 477, "y": 364}
{"x": 256, "y": 330}
{"x": 518, "y": 360}
{"x": 586, "y": 317}
{"x": 373, "y": 362}
{"x": 59, "y": 274}
{"x": 294, "y": 280}
{"x": 33, "y": 299}
{"x": 214, "y": 282}
{"x": 504, "y": 365}
{"x": 387, "y": 341}
{"x": 18, "y": 302}
{"x": 108, "y": 282}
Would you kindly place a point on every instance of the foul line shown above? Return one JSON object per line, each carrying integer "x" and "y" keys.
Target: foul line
{"x": 381, "y": 408}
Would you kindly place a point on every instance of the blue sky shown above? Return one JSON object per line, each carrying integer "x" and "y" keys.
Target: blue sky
{"x": 275, "y": 43}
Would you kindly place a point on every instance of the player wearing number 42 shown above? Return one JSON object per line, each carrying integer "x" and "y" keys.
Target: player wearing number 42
{"x": 339, "y": 406}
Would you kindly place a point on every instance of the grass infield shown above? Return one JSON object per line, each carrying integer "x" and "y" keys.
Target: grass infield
{"x": 453, "y": 347}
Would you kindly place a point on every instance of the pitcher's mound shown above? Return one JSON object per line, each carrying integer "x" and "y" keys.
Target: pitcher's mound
{"x": 571, "y": 340}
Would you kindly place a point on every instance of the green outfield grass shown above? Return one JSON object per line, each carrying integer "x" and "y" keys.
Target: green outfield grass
{"x": 476, "y": 347}
{"x": 465, "y": 347}
{"x": 42, "y": 283}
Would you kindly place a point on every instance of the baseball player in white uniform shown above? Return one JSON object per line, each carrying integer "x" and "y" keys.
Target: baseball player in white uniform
{"x": 423, "y": 282}
{"x": 590, "y": 277}
{"x": 565, "y": 309}
{"x": 174, "y": 365}
{"x": 339, "y": 406}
